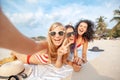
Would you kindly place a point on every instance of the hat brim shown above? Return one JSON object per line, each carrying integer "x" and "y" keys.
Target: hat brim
{"x": 11, "y": 68}
{"x": 100, "y": 50}
{"x": 14, "y": 68}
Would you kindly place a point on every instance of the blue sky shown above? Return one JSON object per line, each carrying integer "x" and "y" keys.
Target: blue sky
{"x": 34, "y": 17}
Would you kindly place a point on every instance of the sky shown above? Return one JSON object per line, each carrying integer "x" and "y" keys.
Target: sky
{"x": 34, "y": 17}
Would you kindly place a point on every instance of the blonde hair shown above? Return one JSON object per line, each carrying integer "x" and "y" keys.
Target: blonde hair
{"x": 52, "y": 49}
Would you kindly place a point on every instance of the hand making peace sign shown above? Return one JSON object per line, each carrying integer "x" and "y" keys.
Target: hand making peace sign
{"x": 64, "y": 48}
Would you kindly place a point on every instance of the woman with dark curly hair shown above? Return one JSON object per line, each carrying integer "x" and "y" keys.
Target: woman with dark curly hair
{"x": 84, "y": 34}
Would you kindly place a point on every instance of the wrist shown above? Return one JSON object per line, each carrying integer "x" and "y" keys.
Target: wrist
{"x": 59, "y": 57}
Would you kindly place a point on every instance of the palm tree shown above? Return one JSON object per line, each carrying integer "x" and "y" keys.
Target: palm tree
{"x": 116, "y": 28}
{"x": 101, "y": 26}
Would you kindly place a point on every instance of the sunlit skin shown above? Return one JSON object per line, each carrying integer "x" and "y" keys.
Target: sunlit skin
{"x": 82, "y": 28}
{"x": 57, "y": 39}
{"x": 72, "y": 37}
{"x": 76, "y": 67}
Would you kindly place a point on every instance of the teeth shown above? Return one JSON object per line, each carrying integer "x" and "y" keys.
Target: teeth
{"x": 57, "y": 39}
{"x": 81, "y": 30}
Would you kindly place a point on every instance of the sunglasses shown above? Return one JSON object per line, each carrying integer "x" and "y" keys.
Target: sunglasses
{"x": 53, "y": 33}
{"x": 70, "y": 34}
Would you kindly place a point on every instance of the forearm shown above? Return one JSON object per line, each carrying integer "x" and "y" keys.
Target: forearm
{"x": 84, "y": 55}
{"x": 84, "y": 51}
{"x": 58, "y": 62}
{"x": 11, "y": 38}
{"x": 75, "y": 52}
{"x": 21, "y": 57}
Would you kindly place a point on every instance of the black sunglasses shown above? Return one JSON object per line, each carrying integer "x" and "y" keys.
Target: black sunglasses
{"x": 70, "y": 34}
{"x": 53, "y": 33}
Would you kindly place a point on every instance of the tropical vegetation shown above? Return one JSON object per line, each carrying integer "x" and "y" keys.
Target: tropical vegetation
{"x": 101, "y": 27}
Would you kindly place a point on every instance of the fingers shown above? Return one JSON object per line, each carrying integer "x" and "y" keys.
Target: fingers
{"x": 64, "y": 42}
{"x": 68, "y": 44}
{"x": 76, "y": 67}
{"x": 78, "y": 61}
{"x": 63, "y": 50}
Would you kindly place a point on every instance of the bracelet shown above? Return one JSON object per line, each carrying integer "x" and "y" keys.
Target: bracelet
{"x": 28, "y": 59}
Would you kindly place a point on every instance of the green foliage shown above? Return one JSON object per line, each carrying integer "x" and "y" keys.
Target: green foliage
{"x": 101, "y": 26}
{"x": 39, "y": 38}
{"x": 116, "y": 28}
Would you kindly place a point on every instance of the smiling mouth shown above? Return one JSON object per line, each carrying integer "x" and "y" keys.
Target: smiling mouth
{"x": 81, "y": 31}
{"x": 57, "y": 39}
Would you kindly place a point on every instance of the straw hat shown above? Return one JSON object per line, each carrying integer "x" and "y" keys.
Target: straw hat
{"x": 14, "y": 69}
{"x": 96, "y": 49}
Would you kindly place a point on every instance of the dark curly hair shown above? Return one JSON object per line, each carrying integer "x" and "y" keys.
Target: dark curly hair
{"x": 88, "y": 35}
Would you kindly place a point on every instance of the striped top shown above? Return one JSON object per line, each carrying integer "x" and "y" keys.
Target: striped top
{"x": 43, "y": 58}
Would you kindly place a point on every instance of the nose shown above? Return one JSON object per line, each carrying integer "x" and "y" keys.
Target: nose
{"x": 72, "y": 35}
{"x": 57, "y": 35}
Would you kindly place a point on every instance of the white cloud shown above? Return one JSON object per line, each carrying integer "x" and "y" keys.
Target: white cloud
{"x": 64, "y": 14}
{"x": 19, "y": 18}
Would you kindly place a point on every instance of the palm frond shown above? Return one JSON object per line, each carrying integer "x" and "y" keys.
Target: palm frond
{"x": 116, "y": 19}
{"x": 117, "y": 12}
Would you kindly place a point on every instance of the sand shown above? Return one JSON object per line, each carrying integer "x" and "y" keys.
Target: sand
{"x": 106, "y": 66}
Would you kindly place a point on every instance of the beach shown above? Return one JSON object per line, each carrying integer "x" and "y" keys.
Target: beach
{"x": 106, "y": 66}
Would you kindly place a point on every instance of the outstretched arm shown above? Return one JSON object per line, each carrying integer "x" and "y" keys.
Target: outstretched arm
{"x": 12, "y": 39}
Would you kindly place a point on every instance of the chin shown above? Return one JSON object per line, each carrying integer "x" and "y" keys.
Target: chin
{"x": 80, "y": 34}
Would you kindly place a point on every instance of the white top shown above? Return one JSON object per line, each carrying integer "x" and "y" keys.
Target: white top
{"x": 79, "y": 49}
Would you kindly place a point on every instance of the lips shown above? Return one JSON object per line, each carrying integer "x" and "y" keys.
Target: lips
{"x": 57, "y": 41}
{"x": 71, "y": 39}
{"x": 81, "y": 30}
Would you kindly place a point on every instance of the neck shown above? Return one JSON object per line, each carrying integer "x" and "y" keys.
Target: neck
{"x": 80, "y": 36}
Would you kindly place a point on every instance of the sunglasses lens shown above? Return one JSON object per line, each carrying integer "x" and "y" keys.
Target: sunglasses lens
{"x": 73, "y": 33}
{"x": 52, "y": 33}
{"x": 70, "y": 33}
{"x": 61, "y": 33}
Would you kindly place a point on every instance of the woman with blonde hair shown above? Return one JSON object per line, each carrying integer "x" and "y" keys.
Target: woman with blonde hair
{"x": 56, "y": 47}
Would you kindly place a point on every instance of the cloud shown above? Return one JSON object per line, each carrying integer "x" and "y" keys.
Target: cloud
{"x": 41, "y": 19}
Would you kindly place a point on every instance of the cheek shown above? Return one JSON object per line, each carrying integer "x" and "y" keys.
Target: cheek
{"x": 85, "y": 30}
{"x": 52, "y": 38}
{"x": 62, "y": 38}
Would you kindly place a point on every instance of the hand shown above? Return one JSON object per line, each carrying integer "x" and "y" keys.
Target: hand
{"x": 77, "y": 60}
{"x": 84, "y": 60}
{"x": 76, "y": 67}
{"x": 64, "y": 48}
